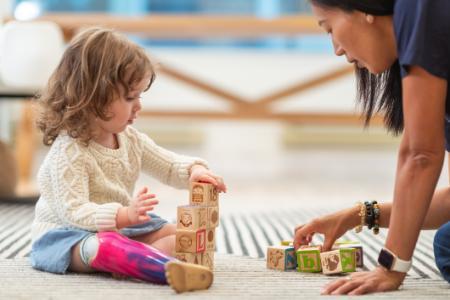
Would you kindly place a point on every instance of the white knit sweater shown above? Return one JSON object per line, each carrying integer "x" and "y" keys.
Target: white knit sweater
{"x": 83, "y": 187}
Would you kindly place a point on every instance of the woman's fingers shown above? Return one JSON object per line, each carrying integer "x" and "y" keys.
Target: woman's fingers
{"x": 333, "y": 286}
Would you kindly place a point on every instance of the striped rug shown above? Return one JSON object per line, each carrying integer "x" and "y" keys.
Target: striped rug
{"x": 244, "y": 234}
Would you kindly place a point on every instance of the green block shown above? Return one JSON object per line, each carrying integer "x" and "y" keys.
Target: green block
{"x": 348, "y": 259}
{"x": 308, "y": 260}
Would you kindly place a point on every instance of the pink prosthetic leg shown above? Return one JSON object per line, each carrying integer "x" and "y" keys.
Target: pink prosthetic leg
{"x": 120, "y": 255}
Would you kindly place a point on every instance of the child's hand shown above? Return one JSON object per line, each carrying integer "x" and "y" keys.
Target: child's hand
{"x": 140, "y": 205}
{"x": 201, "y": 174}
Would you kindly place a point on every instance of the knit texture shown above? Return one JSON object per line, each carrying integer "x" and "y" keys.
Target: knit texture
{"x": 84, "y": 186}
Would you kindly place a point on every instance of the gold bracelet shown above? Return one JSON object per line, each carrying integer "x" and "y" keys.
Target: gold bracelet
{"x": 362, "y": 215}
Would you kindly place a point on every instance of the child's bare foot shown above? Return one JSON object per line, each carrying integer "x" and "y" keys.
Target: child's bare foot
{"x": 183, "y": 277}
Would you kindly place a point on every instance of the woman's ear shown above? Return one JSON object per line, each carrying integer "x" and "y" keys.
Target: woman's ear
{"x": 370, "y": 18}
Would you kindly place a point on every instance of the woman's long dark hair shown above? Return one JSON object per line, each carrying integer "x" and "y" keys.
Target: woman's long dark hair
{"x": 376, "y": 92}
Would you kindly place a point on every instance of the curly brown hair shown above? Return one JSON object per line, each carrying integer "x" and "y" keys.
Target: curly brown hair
{"x": 96, "y": 66}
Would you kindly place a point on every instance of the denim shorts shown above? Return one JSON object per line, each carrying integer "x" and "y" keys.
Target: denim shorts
{"x": 52, "y": 251}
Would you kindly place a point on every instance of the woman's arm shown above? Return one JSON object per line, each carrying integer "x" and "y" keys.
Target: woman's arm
{"x": 420, "y": 158}
{"x": 334, "y": 225}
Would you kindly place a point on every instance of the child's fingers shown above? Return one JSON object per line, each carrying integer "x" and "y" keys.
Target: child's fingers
{"x": 144, "y": 218}
{"x": 143, "y": 191}
{"x": 144, "y": 197}
{"x": 149, "y": 202}
{"x": 208, "y": 179}
{"x": 144, "y": 210}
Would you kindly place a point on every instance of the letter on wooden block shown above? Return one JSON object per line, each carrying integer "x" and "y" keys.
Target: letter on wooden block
{"x": 210, "y": 239}
{"x": 192, "y": 241}
{"x": 281, "y": 258}
{"x": 192, "y": 217}
{"x": 213, "y": 216}
{"x": 208, "y": 259}
{"x": 193, "y": 258}
{"x": 338, "y": 261}
{"x": 308, "y": 259}
{"x": 203, "y": 194}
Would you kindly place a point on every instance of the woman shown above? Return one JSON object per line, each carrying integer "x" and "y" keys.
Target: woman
{"x": 401, "y": 50}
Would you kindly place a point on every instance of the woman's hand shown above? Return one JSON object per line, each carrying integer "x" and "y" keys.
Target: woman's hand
{"x": 332, "y": 226}
{"x": 140, "y": 205}
{"x": 378, "y": 280}
{"x": 201, "y": 174}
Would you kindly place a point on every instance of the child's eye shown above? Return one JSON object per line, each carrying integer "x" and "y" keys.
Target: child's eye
{"x": 133, "y": 98}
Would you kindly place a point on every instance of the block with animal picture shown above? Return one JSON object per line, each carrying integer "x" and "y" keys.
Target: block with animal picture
{"x": 203, "y": 194}
{"x": 308, "y": 259}
{"x": 359, "y": 254}
{"x": 281, "y": 258}
{"x": 208, "y": 259}
{"x": 213, "y": 217}
{"x": 338, "y": 261}
{"x": 192, "y": 217}
{"x": 193, "y": 258}
{"x": 191, "y": 241}
{"x": 210, "y": 239}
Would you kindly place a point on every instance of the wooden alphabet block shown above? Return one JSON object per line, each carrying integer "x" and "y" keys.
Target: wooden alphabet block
{"x": 211, "y": 239}
{"x": 281, "y": 258}
{"x": 192, "y": 217}
{"x": 208, "y": 259}
{"x": 359, "y": 254}
{"x": 338, "y": 261}
{"x": 203, "y": 194}
{"x": 213, "y": 217}
{"x": 193, "y": 258}
{"x": 308, "y": 259}
{"x": 191, "y": 241}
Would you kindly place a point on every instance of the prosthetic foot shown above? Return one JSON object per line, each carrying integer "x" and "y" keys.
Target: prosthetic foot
{"x": 184, "y": 277}
{"x": 114, "y": 253}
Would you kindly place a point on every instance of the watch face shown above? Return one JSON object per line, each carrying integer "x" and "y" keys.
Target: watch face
{"x": 385, "y": 259}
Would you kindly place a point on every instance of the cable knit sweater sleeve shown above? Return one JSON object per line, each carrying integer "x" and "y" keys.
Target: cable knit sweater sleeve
{"x": 168, "y": 167}
{"x": 69, "y": 191}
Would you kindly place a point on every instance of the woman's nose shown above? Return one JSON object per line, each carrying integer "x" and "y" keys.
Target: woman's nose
{"x": 338, "y": 49}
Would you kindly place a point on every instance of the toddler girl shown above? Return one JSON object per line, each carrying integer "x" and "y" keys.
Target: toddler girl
{"x": 86, "y": 219}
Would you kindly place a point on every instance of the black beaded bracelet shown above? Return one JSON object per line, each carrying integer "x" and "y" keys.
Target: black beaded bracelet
{"x": 372, "y": 215}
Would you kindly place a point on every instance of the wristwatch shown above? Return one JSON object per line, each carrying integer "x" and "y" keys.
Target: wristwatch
{"x": 391, "y": 262}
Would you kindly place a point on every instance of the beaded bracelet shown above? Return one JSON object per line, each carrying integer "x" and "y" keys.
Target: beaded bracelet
{"x": 376, "y": 213}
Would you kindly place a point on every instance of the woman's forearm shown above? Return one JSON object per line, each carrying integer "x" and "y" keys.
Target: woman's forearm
{"x": 437, "y": 215}
{"x": 417, "y": 175}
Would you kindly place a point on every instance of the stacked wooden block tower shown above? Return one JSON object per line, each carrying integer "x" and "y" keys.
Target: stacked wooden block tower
{"x": 343, "y": 258}
{"x": 196, "y": 226}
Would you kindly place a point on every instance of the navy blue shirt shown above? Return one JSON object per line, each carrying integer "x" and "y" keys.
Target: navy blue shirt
{"x": 422, "y": 30}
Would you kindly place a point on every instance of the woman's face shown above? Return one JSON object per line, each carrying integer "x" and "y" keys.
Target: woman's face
{"x": 367, "y": 41}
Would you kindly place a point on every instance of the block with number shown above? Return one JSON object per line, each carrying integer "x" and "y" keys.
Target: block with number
{"x": 281, "y": 258}
{"x": 208, "y": 259}
{"x": 193, "y": 258}
{"x": 213, "y": 217}
{"x": 210, "y": 239}
{"x": 203, "y": 194}
{"x": 191, "y": 241}
{"x": 192, "y": 217}
{"x": 359, "y": 254}
{"x": 338, "y": 261}
{"x": 308, "y": 259}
